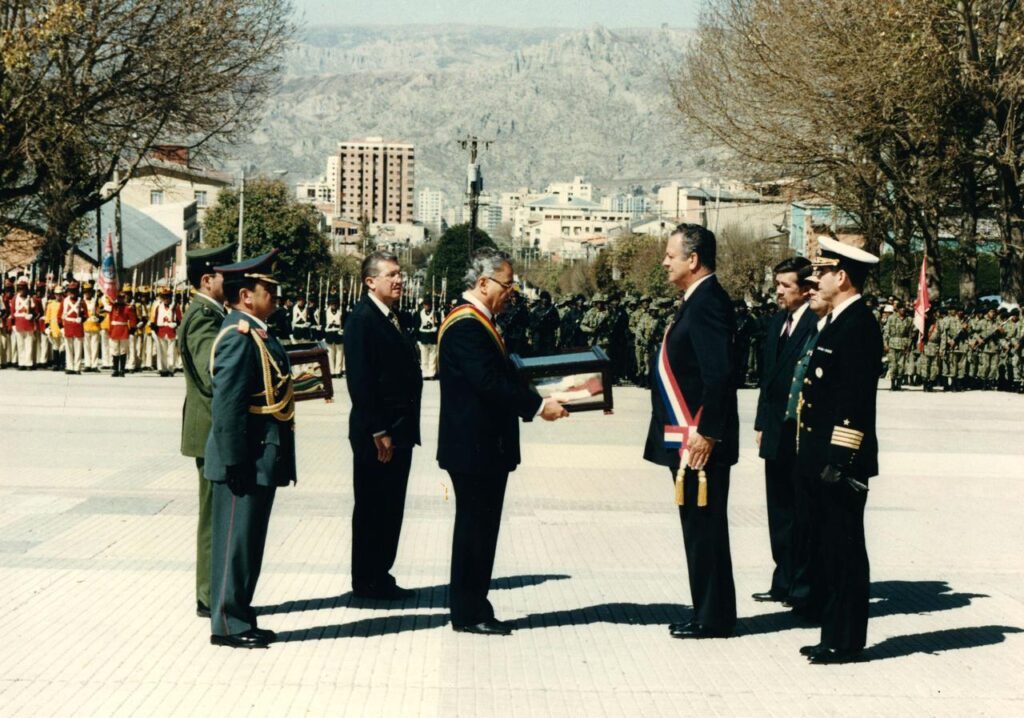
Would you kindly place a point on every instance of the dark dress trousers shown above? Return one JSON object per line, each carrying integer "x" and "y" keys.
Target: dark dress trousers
{"x": 701, "y": 355}
{"x": 259, "y": 448}
{"x": 482, "y": 401}
{"x": 778, "y": 440}
{"x": 385, "y": 387}
{"x": 837, "y": 429}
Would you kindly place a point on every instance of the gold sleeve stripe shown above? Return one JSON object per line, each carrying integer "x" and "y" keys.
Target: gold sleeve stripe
{"x": 855, "y": 445}
{"x": 847, "y": 438}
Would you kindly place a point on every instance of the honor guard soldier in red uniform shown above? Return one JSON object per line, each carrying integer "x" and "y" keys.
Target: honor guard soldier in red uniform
{"x": 72, "y": 316}
{"x": 122, "y": 326}
{"x": 26, "y": 311}
{"x": 166, "y": 317}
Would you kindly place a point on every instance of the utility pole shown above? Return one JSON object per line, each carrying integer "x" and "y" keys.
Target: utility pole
{"x": 474, "y": 181}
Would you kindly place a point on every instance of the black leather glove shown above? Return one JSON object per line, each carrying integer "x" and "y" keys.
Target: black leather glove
{"x": 238, "y": 478}
{"x": 832, "y": 475}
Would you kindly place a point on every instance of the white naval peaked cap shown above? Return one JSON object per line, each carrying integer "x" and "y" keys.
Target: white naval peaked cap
{"x": 833, "y": 249}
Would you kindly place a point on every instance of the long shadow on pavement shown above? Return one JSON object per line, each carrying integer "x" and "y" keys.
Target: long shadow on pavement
{"x": 366, "y": 627}
{"x": 893, "y": 598}
{"x": 630, "y": 614}
{"x": 934, "y": 642}
{"x": 426, "y": 596}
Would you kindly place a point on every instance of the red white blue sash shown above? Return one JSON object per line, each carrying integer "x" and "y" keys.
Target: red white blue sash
{"x": 677, "y": 432}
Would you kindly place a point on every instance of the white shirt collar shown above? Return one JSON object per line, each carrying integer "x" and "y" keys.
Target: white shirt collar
{"x": 468, "y": 296}
{"x": 692, "y": 287}
{"x": 838, "y": 310}
{"x": 380, "y": 305}
{"x": 211, "y": 300}
{"x": 798, "y": 313}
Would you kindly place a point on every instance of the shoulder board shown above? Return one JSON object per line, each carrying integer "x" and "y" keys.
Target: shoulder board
{"x": 242, "y": 327}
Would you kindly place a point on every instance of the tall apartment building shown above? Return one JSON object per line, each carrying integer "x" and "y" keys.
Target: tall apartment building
{"x": 375, "y": 180}
{"x": 430, "y": 206}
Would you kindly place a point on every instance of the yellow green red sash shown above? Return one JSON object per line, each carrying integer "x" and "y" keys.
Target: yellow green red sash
{"x": 468, "y": 311}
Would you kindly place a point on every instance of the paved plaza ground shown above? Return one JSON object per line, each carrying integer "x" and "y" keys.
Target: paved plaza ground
{"x": 97, "y": 521}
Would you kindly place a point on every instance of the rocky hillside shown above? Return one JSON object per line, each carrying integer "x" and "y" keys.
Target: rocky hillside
{"x": 557, "y": 103}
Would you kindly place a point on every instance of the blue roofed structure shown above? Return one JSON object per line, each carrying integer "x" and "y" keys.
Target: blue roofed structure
{"x": 149, "y": 247}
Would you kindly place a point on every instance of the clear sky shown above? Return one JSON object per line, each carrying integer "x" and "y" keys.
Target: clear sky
{"x": 504, "y": 13}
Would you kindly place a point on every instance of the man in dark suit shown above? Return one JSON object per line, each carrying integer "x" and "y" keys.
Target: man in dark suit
{"x": 199, "y": 328}
{"x": 838, "y": 446}
{"x": 482, "y": 401}
{"x": 385, "y": 385}
{"x": 787, "y": 332}
{"x": 250, "y": 450}
{"x": 696, "y": 370}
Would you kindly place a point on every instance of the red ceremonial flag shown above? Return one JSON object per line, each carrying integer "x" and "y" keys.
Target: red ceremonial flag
{"x": 108, "y": 277}
{"x": 921, "y": 304}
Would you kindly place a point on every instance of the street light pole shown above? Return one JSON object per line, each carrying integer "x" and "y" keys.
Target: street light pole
{"x": 241, "y": 214}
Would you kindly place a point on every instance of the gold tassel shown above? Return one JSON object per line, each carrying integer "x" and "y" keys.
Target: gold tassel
{"x": 679, "y": 485}
{"x": 702, "y": 489}
{"x": 444, "y": 488}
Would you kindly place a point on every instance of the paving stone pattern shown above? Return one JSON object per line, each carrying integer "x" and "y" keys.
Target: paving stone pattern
{"x": 97, "y": 537}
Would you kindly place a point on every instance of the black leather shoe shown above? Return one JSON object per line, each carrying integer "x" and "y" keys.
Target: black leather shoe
{"x": 673, "y": 627}
{"x": 827, "y": 656}
{"x": 202, "y": 610}
{"x": 695, "y": 630}
{"x": 249, "y": 639}
{"x": 768, "y": 596}
{"x": 389, "y": 593}
{"x": 269, "y": 635}
{"x": 493, "y": 627}
{"x": 810, "y": 650}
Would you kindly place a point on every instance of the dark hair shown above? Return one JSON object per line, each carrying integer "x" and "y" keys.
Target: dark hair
{"x": 795, "y": 264}
{"x": 856, "y": 271}
{"x": 233, "y": 289}
{"x": 371, "y": 262}
{"x": 196, "y": 271}
{"x": 698, "y": 240}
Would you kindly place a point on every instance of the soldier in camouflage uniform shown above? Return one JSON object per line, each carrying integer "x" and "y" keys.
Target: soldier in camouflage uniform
{"x": 896, "y": 335}
{"x": 987, "y": 344}
{"x": 1015, "y": 340}
{"x": 596, "y": 324}
{"x": 929, "y": 358}
{"x": 643, "y": 324}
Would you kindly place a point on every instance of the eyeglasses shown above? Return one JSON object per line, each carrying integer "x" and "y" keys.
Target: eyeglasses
{"x": 824, "y": 269}
{"x": 504, "y": 285}
{"x": 396, "y": 274}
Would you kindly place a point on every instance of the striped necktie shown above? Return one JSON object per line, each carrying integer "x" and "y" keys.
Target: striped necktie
{"x": 393, "y": 318}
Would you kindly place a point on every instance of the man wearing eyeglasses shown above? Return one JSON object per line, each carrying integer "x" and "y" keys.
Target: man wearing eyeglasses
{"x": 385, "y": 385}
{"x": 482, "y": 401}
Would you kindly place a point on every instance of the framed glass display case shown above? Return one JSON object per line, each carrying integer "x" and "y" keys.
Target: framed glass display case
{"x": 579, "y": 379}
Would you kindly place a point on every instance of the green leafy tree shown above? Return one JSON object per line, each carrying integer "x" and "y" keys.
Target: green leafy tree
{"x": 451, "y": 258}
{"x": 273, "y": 219}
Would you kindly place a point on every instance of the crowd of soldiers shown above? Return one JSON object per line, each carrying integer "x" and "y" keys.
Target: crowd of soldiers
{"x": 75, "y": 328}
{"x": 72, "y": 327}
{"x": 962, "y": 348}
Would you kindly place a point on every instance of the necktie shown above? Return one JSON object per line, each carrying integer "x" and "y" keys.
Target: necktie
{"x": 828, "y": 319}
{"x": 393, "y": 318}
{"x": 789, "y": 325}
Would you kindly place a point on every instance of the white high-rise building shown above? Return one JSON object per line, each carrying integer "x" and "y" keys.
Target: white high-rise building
{"x": 430, "y": 206}
{"x": 568, "y": 191}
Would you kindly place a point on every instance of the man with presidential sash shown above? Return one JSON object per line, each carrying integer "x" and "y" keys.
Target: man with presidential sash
{"x": 482, "y": 401}
{"x": 837, "y": 445}
{"x": 694, "y": 429}
{"x": 199, "y": 328}
{"x": 250, "y": 450}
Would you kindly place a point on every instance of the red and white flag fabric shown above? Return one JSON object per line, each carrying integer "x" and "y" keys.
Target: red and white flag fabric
{"x": 108, "y": 275}
{"x": 921, "y": 304}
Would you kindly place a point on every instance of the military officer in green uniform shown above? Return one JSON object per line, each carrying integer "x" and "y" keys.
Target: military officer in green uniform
{"x": 251, "y": 447}
{"x": 199, "y": 328}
